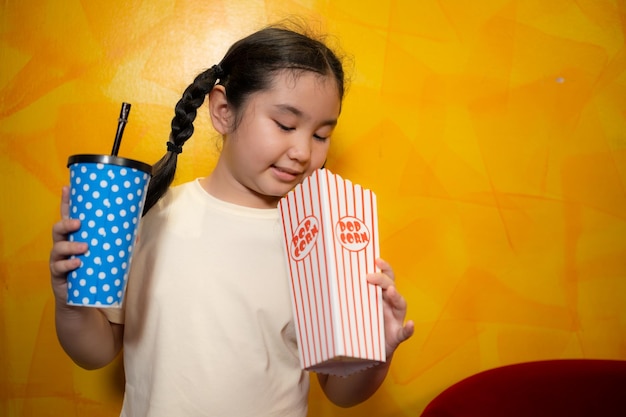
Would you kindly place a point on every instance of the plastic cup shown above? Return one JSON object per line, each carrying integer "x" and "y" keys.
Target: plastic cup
{"x": 107, "y": 194}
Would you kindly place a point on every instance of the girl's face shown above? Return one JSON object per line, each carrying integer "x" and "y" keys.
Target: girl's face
{"x": 282, "y": 137}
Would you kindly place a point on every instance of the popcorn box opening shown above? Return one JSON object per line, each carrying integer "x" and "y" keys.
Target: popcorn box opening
{"x": 331, "y": 243}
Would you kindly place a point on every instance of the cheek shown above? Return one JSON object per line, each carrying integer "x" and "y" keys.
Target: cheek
{"x": 319, "y": 154}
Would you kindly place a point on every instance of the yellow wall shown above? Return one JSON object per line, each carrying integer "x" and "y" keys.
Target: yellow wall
{"x": 493, "y": 132}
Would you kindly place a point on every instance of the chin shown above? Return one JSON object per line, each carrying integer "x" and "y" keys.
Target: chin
{"x": 271, "y": 196}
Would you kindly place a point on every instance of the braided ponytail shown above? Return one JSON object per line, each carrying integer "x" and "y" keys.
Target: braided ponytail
{"x": 182, "y": 129}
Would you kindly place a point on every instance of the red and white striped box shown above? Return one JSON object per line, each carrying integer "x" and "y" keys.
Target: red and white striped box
{"x": 331, "y": 242}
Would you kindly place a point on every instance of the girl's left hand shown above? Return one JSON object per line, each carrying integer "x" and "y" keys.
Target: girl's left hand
{"x": 394, "y": 310}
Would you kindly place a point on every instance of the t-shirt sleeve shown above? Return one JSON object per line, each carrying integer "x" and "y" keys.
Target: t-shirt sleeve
{"x": 114, "y": 315}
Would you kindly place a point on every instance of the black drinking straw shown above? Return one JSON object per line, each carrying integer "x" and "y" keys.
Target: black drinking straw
{"x": 120, "y": 128}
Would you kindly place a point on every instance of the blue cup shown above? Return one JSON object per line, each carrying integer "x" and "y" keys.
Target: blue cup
{"x": 107, "y": 194}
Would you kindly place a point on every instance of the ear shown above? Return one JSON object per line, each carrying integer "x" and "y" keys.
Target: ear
{"x": 221, "y": 114}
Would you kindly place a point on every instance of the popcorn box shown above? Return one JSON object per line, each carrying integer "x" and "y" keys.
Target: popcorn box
{"x": 331, "y": 241}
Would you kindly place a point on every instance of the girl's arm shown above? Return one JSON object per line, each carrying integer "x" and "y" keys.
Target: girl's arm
{"x": 356, "y": 388}
{"x": 84, "y": 333}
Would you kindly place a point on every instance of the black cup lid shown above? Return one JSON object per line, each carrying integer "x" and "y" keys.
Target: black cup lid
{"x": 111, "y": 160}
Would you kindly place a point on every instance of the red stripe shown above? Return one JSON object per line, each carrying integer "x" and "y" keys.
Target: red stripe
{"x": 337, "y": 314}
{"x": 285, "y": 208}
{"x": 356, "y": 347}
{"x": 314, "y": 283}
{"x": 371, "y": 265}
{"x": 355, "y": 259}
{"x": 379, "y": 316}
{"x": 361, "y": 278}
{"x": 324, "y": 269}
{"x": 309, "y": 310}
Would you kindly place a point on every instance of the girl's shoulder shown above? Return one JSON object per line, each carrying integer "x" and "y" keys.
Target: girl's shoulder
{"x": 176, "y": 198}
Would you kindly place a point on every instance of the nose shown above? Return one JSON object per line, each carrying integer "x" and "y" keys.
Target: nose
{"x": 300, "y": 149}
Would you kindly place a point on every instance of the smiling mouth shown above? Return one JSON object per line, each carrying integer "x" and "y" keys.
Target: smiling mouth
{"x": 286, "y": 173}
{"x": 287, "y": 170}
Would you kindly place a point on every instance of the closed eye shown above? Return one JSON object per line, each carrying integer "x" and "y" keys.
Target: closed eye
{"x": 290, "y": 129}
{"x": 285, "y": 128}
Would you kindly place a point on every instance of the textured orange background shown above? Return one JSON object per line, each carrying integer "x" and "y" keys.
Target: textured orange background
{"x": 493, "y": 132}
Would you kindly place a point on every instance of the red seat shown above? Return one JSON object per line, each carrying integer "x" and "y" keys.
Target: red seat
{"x": 551, "y": 388}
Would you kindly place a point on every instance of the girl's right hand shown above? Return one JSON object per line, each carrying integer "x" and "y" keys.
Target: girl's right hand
{"x": 62, "y": 249}
{"x": 84, "y": 333}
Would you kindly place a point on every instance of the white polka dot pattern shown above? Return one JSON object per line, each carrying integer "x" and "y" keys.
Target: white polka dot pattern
{"x": 108, "y": 199}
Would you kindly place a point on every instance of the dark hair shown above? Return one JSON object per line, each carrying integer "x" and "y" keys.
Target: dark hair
{"x": 247, "y": 67}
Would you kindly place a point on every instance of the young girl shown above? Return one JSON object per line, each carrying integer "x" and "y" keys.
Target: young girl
{"x": 207, "y": 327}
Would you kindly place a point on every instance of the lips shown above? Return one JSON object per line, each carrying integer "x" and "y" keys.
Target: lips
{"x": 288, "y": 170}
{"x": 286, "y": 174}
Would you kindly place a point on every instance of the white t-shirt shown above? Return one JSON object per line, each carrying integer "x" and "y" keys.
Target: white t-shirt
{"x": 208, "y": 319}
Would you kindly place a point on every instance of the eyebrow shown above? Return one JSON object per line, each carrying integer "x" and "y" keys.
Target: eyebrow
{"x": 287, "y": 108}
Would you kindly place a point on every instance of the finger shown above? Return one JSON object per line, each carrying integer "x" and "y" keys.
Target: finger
{"x": 62, "y": 228}
{"x": 396, "y": 301}
{"x": 407, "y": 331}
{"x": 401, "y": 335}
{"x": 60, "y": 269}
{"x": 60, "y": 261}
{"x": 385, "y": 268}
{"x": 380, "y": 279}
{"x": 65, "y": 202}
{"x": 64, "y": 249}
